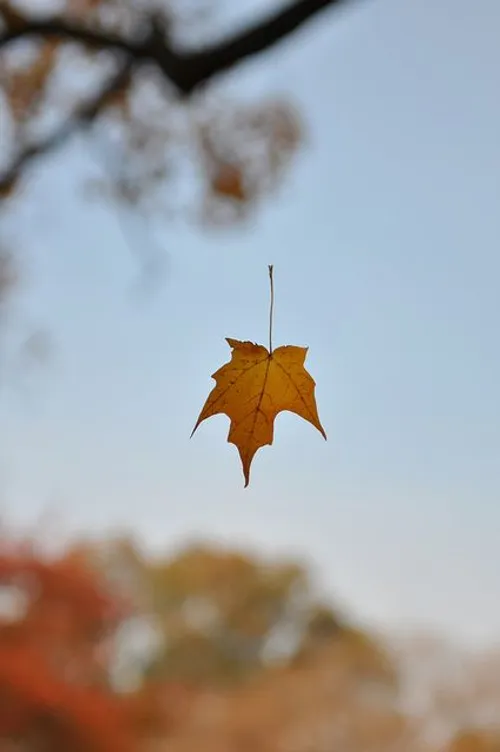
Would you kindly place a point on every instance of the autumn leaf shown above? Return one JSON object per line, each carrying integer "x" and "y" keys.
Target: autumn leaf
{"x": 254, "y": 387}
{"x": 228, "y": 182}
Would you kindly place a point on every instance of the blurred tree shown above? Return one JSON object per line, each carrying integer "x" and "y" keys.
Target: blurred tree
{"x": 273, "y": 666}
{"x": 104, "y": 648}
{"x": 58, "y": 628}
{"x": 321, "y": 705}
{"x": 220, "y": 617}
{"x": 134, "y": 69}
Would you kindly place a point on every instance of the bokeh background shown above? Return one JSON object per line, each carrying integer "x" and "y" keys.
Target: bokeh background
{"x": 383, "y": 228}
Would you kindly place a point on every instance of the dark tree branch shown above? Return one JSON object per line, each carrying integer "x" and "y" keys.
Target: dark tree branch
{"x": 186, "y": 71}
{"x": 262, "y": 36}
{"x": 60, "y": 28}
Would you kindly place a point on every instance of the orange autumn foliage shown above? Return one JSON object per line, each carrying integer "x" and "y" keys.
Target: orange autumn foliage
{"x": 57, "y": 626}
{"x": 476, "y": 741}
{"x": 210, "y": 681}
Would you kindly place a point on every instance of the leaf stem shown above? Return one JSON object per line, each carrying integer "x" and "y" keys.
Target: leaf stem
{"x": 271, "y": 309}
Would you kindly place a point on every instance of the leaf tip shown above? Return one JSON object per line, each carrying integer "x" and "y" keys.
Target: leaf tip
{"x": 195, "y": 426}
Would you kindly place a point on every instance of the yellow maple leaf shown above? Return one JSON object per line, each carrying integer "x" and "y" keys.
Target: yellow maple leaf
{"x": 253, "y": 387}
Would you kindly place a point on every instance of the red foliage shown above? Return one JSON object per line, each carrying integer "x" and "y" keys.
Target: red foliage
{"x": 57, "y": 625}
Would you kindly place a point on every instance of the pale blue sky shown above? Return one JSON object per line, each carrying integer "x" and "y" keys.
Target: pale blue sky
{"x": 385, "y": 241}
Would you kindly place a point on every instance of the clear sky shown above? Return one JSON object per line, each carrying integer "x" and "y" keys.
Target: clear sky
{"x": 385, "y": 240}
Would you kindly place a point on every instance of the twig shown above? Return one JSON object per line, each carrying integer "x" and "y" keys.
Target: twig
{"x": 271, "y": 308}
{"x": 82, "y": 116}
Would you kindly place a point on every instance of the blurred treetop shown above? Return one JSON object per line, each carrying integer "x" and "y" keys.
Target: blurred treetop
{"x": 134, "y": 75}
{"x": 222, "y": 617}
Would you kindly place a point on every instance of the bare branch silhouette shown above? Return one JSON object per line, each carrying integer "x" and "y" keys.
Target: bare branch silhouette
{"x": 187, "y": 71}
